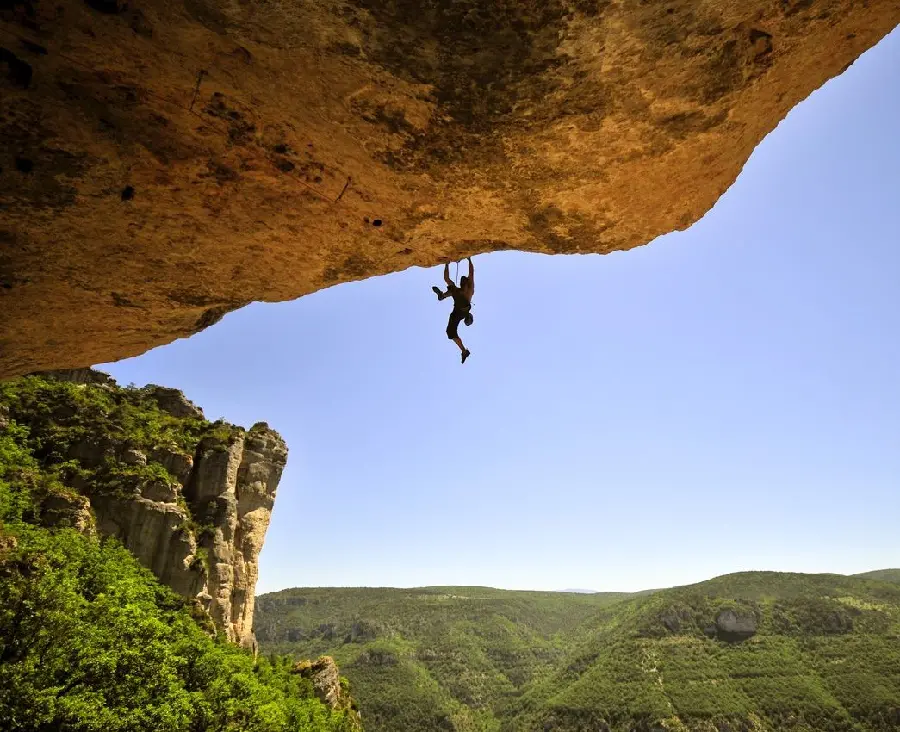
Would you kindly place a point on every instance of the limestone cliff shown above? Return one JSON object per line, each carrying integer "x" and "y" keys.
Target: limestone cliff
{"x": 190, "y": 499}
{"x": 163, "y": 162}
{"x": 231, "y": 490}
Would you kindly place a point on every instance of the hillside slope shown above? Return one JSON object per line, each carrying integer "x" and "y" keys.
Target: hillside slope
{"x": 752, "y": 651}
{"x": 429, "y": 658}
{"x": 885, "y": 575}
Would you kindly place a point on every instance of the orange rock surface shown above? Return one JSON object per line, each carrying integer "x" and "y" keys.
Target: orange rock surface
{"x": 164, "y": 161}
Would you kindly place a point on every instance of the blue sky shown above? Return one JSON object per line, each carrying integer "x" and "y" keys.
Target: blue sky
{"x": 724, "y": 399}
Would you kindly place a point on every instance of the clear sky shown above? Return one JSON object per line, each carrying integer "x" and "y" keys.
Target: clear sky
{"x": 724, "y": 399}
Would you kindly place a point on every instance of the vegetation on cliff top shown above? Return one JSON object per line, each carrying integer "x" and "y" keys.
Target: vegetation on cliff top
{"x": 80, "y": 432}
{"x": 89, "y": 640}
{"x": 753, "y": 651}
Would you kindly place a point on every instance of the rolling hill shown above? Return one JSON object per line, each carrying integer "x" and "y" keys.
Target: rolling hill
{"x": 752, "y": 651}
{"x": 433, "y": 657}
{"x": 886, "y": 575}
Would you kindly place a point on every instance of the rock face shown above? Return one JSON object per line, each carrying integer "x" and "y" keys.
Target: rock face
{"x": 195, "y": 516}
{"x": 174, "y": 402}
{"x": 232, "y": 490}
{"x": 323, "y": 672}
{"x": 229, "y": 492}
{"x": 673, "y": 618}
{"x": 72, "y": 511}
{"x": 362, "y": 632}
{"x": 329, "y": 687}
{"x": 164, "y": 164}
{"x": 81, "y": 376}
{"x": 155, "y": 530}
{"x": 735, "y": 626}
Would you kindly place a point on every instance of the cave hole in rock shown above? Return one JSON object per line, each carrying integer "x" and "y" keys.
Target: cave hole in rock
{"x": 24, "y": 165}
{"x": 127, "y": 193}
{"x": 110, "y": 7}
{"x": 18, "y": 72}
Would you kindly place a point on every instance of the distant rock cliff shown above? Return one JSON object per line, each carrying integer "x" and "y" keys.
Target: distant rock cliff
{"x": 189, "y": 498}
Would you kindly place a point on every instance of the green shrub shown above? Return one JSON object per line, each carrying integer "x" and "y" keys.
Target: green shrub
{"x": 90, "y": 641}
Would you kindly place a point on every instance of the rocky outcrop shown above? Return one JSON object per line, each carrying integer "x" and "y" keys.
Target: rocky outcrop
{"x": 232, "y": 489}
{"x": 376, "y": 657}
{"x": 203, "y": 537}
{"x": 81, "y": 376}
{"x": 174, "y": 402}
{"x": 326, "y": 679}
{"x": 156, "y": 530}
{"x": 196, "y": 516}
{"x": 362, "y": 632}
{"x": 176, "y": 462}
{"x": 67, "y": 510}
{"x": 161, "y": 165}
{"x": 733, "y": 626}
{"x": 329, "y": 687}
{"x": 672, "y": 618}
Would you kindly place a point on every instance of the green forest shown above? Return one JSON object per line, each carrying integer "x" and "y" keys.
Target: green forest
{"x": 743, "y": 652}
{"x": 89, "y": 640}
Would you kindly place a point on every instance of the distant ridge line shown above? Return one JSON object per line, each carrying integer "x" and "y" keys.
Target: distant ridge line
{"x": 887, "y": 575}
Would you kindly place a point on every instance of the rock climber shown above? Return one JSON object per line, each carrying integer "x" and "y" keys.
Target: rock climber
{"x": 462, "y": 303}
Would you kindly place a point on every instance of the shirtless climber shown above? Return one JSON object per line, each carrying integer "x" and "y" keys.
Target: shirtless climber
{"x": 462, "y": 304}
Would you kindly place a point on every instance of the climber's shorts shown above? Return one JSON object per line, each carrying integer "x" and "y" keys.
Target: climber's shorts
{"x": 456, "y": 317}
